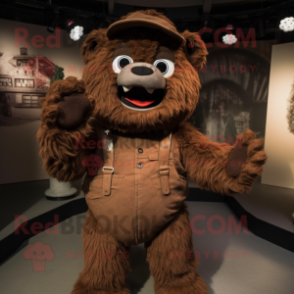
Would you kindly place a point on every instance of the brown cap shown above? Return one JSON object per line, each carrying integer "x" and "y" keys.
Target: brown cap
{"x": 140, "y": 19}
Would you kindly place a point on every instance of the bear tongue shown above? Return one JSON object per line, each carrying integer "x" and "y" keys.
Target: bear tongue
{"x": 140, "y": 103}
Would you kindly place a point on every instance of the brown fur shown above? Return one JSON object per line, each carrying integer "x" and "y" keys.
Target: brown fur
{"x": 172, "y": 260}
{"x": 106, "y": 262}
{"x": 205, "y": 161}
{"x": 180, "y": 99}
{"x": 61, "y": 159}
{"x": 290, "y": 115}
{"x": 57, "y": 147}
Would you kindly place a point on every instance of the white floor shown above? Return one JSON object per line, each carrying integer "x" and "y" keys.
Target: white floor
{"x": 231, "y": 263}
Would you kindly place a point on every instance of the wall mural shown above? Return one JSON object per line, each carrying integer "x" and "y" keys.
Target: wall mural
{"x": 24, "y": 79}
{"x": 290, "y": 115}
{"x": 234, "y": 92}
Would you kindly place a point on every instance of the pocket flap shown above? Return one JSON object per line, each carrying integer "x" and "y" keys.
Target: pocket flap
{"x": 153, "y": 156}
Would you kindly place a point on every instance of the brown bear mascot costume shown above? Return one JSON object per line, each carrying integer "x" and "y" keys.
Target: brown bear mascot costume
{"x": 124, "y": 126}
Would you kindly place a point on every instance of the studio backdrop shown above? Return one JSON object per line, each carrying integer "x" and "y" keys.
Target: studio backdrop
{"x": 30, "y": 60}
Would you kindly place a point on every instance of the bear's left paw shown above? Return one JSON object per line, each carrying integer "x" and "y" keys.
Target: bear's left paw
{"x": 247, "y": 157}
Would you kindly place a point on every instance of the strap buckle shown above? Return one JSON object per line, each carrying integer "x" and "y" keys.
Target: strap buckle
{"x": 164, "y": 170}
{"x": 108, "y": 168}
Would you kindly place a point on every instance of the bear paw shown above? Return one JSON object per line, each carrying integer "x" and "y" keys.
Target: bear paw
{"x": 246, "y": 159}
{"x": 67, "y": 104}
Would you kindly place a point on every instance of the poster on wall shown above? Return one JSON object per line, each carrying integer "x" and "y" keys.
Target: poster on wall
{"x": 29, "y": 63}
{"x": 24, "y": 79}
{"x": 279, "y": 137}
{"x": 234, "y": 91}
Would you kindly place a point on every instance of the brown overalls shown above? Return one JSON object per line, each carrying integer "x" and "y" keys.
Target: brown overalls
{"x": 140, "y": 188}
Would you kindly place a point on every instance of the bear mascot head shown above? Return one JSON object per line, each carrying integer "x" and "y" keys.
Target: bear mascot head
{"x": 143, "y": 73}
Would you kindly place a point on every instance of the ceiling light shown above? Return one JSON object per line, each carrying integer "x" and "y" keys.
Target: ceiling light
{"x": 229, "y": 39}
{"x": 76, "y": 33}
{"x": 287, "y": 24}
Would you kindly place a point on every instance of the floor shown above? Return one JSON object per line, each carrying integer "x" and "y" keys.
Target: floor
{"x": 231, "y": 263}
{"x": 272, "y": 204}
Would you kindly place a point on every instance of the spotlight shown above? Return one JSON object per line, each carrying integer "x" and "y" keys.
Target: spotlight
{"x": 229, "y": 39}
{"x": 287, "y": 24}
{"x": 75, "y": 31}
{"x": 52, "y": 27}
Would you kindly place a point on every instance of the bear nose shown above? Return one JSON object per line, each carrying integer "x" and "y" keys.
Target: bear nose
{"x": 141, "y": 70}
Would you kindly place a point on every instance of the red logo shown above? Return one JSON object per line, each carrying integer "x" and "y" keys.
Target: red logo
{"x": 38, "y": 253}
{"x": 92, "y": 162}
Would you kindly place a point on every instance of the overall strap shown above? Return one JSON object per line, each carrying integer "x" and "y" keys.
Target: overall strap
{"x": 108, "y": 155}
{"x": 164, "y": 149}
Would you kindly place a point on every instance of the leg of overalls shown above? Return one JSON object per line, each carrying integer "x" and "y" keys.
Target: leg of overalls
{"x": 106, "y": 262}
{"x": 171, "y": 259}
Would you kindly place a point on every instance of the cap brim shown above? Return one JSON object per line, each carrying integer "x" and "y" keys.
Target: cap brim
{"x": 121, "y": 25}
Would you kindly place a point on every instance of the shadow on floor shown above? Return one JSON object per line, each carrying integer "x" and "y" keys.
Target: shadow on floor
{"x": 140, "y": 269}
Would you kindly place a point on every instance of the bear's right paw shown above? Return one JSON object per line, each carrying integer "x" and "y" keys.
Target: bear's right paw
{"x": 72, "y": 110}
{"x": 66, "y": 104}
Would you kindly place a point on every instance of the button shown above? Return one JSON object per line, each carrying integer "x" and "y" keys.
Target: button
{"x": 140, "y": 165}
{"x": 140, "y": 150}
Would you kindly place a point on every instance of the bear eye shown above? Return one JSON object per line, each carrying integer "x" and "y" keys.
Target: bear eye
{"x": 120, "y": 62}
{"x": 166, "y": 67}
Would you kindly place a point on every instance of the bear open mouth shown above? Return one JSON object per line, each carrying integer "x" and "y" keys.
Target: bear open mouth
{"x": 137, "y": 97}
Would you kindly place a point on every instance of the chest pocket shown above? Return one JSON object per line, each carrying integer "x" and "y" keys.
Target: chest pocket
{"x": 163, "y": 173}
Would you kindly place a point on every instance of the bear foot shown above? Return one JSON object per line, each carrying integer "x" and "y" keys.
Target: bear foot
{"x": 81, "y": 288}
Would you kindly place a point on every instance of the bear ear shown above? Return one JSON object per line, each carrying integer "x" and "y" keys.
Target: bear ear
{"x": 94, "y": 40}
{"x": 195, "y": 49}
